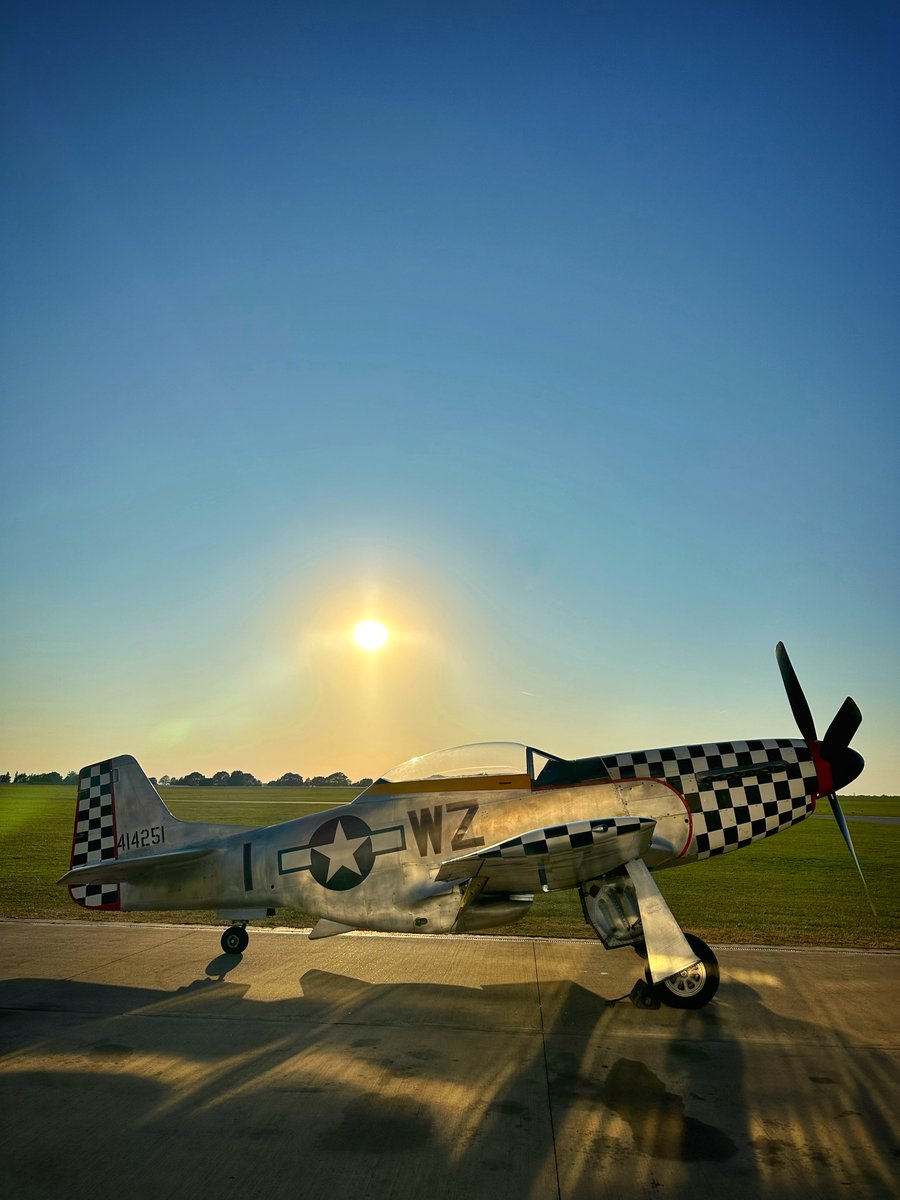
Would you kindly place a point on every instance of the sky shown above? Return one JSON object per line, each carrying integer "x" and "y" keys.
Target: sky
{"x": 562, "y": 339}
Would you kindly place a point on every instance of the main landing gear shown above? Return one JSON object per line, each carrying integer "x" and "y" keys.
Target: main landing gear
{"x": 693, "y": 987}
{"x": 235, "y": 939}
{"x": 627, "y": 909}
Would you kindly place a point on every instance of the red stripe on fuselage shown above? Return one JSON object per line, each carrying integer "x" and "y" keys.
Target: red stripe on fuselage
{"x": 638, "y": 779}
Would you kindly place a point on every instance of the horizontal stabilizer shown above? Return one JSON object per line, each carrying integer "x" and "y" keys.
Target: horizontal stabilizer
{"x": 132, "y": 870}
{"x": 561, "y": 856}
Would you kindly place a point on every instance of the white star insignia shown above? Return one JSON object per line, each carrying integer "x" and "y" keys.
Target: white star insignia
{"x": 341, "y": 853}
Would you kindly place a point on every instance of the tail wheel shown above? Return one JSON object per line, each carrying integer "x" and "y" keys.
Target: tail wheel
{"x": 694, "y": 986}
{"x": 235, "y": 939}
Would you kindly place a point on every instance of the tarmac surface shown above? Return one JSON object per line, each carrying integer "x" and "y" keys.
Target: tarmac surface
{"x": 138, "y": 1061}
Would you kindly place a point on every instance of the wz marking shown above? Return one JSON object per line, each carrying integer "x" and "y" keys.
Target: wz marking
{"x": 427, "y": 825}
{"x": 153, "y": 835}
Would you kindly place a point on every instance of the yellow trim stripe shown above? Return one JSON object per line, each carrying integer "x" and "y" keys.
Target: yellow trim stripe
{"x": 487, "y": 783}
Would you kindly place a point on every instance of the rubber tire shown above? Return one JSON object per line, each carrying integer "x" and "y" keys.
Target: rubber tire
{"x": 704, "y": 994}
{"x": 235, "y": 940}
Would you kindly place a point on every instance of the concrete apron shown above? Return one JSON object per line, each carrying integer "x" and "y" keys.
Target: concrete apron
{"x": 140, "y": 1062}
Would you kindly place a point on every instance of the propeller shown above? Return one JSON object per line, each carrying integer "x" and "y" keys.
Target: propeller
{"x": 843, "y": 764}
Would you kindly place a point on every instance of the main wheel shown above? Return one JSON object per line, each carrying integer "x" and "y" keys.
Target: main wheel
{"x": 694, "y": 986}
{"x": 235, "y": 939}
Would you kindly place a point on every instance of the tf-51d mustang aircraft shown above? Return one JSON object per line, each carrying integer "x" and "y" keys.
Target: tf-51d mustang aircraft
{"x": 463, "y": 839}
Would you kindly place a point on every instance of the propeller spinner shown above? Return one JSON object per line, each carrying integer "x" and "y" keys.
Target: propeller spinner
{"x": 836, "y": 764}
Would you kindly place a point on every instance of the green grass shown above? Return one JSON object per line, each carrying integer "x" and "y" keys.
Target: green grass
{"x": 265, "y": 806}
{"x": 799, "y": 888}
{"x": 873, "y": 806}
{"x": 36, "y": 838}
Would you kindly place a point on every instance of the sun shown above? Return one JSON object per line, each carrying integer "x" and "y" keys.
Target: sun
{"x": 370, "y": 635}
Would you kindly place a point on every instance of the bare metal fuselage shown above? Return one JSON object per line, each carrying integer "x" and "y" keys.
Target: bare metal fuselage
{"x": 372, "y": 864}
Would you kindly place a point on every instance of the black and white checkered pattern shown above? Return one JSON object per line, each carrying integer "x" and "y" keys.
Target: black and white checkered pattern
{"x": 95, "y": 834}
{"x": 772, "y": 786}
{"x": 574, "y": 835}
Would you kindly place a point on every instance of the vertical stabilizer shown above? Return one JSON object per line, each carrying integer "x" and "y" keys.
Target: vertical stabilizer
{"x": 118, "y": 814}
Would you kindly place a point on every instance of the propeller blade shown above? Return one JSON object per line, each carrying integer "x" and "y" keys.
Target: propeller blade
{"x": 844, "y": 725}
{"x": 796, "y": 699}
{"x": 842, "y": 825}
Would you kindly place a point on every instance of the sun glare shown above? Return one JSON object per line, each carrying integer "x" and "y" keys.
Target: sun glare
{"x": 370, "y": 635}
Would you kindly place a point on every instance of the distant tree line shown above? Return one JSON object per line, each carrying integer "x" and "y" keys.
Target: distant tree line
{"x": 220, "y": 779}
{"x": 42, "y": 777}
{"x": 197, "y": 779}
{"x": 245, "y": 779}
{"x": 335, "y": 779}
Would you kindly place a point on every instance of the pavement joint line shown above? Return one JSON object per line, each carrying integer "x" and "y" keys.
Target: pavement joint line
{"x": 146, "y": 1013}
{"x": 537, "y": 980}
{"x": 119, "y": 958}
{"x": 642, "y": 1035}
{"x": 291, "y": 931}
{"x": 789, "y": 1046}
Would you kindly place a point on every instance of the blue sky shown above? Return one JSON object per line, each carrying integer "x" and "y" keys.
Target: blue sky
{"x": 562, "y": 338}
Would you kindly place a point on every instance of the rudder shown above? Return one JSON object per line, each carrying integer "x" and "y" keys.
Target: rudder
{"x": 118, "y": 812}
{"x": 94, "y": 836}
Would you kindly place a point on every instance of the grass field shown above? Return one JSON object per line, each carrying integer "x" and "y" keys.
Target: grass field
{"x": 799, "y": 888}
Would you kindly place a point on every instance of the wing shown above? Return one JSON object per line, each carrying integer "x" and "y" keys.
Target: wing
{"x": 561, "y": 856}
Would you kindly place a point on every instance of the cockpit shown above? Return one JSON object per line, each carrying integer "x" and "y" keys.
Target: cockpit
{"x": 462, "y": 762}
{"x": 511, "y": 763}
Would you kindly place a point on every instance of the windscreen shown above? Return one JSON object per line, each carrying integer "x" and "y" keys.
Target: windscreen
{"x": 463, "y": 762}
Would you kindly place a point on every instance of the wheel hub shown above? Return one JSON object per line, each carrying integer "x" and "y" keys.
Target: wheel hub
{"x": 687, "y": 982}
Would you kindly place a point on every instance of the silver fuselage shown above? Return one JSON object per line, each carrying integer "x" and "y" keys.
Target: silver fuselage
{"x": 371, "y": 864}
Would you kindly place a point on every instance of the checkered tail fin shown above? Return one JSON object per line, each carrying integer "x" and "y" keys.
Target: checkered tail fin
{"x": 118, "y": 814}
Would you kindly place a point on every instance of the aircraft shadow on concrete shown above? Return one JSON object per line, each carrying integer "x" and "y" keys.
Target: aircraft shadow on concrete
{"x": 417, "y": 1089}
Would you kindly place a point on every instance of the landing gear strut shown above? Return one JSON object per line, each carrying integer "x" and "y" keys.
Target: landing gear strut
{"x": 694, "y": 986}
{"x": 613, "y": 905}
{"x": 235, "y": 939}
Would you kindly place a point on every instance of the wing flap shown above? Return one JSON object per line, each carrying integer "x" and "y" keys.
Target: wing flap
{"x": 131, "y": 870}
{"x": 561, "y": 856}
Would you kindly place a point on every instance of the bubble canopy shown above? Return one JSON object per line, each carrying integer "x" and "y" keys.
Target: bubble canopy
{"x": 477, "y": 760}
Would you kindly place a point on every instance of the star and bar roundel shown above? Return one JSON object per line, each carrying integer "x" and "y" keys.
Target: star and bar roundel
{"x": 342, "y": 852}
